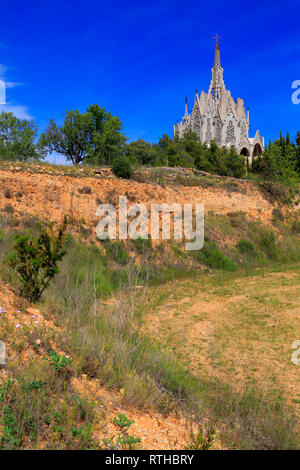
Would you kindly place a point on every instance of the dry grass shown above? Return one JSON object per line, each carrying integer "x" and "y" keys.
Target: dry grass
{"x": 239, "y": 327}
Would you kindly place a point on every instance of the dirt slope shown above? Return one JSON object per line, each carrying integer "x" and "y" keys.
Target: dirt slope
{"x": 49, "y": 196}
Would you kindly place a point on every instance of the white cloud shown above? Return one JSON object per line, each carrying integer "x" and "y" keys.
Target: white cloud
{"x": 19, "y": 111}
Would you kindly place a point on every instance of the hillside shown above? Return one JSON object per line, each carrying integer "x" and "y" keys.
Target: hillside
{"x": 147, "y": 330}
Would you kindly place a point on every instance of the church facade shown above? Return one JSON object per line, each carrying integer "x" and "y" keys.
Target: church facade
{"x": 217, "y": 116}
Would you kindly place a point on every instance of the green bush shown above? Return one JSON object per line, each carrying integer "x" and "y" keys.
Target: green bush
{"x": 212, "y": 257}
{"x": 35, "y": 259}
{"x": 246, "y": 247}
{"x": 121, "y": 167}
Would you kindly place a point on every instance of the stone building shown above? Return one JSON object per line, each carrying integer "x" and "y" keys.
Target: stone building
{"x": 216, "y": 116}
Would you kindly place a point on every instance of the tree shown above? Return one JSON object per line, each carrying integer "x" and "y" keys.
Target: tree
{"x": 141, "y": 152}
{"x": 108, "y": 141}
{"x": 18, "y": 139}
{"x": 280, "y": 159}
{"x": 94, "y": 136}
{"x": 235, "y": 164}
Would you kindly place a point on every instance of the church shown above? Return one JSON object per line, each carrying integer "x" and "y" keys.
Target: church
{"x": 217, "y": 116}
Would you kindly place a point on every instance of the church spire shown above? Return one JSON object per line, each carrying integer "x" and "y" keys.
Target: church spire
{"x": 217, "y": 83}
{"x": 186, "y": 114}
{"x": 217, "y": 52}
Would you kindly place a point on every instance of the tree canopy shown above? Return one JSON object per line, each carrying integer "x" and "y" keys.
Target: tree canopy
{"x": 281, "y": 159}
{"x": 94, "y": 136}
{"x": 18, "y": 139}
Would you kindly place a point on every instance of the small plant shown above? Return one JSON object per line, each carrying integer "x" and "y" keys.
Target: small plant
{"x": 59, "y": 362}
{"x": 124, "y": 440}
{"x": 84, "y": 436}
{"x": 35, "y": 259}
{"x": 122, "y": 168}
{"x": 34, "y": 385}
{"x": 203, "y": 440}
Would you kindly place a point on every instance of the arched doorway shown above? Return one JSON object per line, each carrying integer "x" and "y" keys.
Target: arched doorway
{"x": 245, "y": 152}
{"x": 257, "y": 151}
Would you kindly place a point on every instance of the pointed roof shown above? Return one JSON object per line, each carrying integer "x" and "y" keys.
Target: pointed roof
{"x": 186, "y": 114}
{"x": 217, "y": 62}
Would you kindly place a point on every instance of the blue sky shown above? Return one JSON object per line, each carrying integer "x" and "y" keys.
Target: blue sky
{"x": 140, "y": 59}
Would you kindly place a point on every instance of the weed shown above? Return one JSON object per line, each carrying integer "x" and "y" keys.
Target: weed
{"x": 124, "y": 440}
{"x": 58, "y": 361}
{"x": 203, "y": 440}
{"x": 35, "y": 259}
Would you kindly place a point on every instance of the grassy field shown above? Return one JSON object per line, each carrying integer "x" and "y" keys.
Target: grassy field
{"x": 238, "y": 329}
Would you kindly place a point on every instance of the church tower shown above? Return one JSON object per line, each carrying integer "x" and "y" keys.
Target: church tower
{"x": 217, "y": 116}
{"x": 217, "y": 82}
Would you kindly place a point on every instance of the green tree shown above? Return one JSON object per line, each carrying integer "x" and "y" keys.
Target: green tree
{"x": 235, "y": 164}
{"x": 94, "y": 136}
{"x": 280, "y": 159}
{"x": 18, "y": 139}
{"x": 107, "y": 140}
{"x": 141, "y": 152}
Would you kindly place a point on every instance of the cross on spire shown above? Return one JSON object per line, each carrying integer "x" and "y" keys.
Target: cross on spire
{"x": 217, "y": 37}
{"x": 217, "y": 52}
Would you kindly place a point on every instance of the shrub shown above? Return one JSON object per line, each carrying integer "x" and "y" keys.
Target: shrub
{"x": 267, "y": 243}
{"x": 85, "y": 190}
{"x": 121, "y": 167}
{"x": 203, "y": 440}
{"x": 246, "y": 247}
{"x": 35, "y": 259}
{"x": 212, "y": 257}
{"x": 124, "y": 440}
